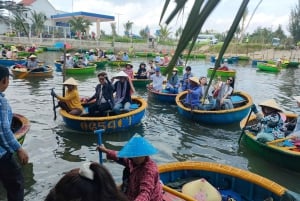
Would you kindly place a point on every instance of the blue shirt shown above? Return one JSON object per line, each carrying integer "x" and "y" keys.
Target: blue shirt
{"x": 8, "y": 142}
{"x": 193, "y": 98}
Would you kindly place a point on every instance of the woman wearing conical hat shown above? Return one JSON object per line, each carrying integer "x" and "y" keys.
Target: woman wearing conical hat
{"x": 71, "y": 101}
{"x": 193, "y": 95}
{"x": 142, "y": 181}
{"x": 271, "y": 121}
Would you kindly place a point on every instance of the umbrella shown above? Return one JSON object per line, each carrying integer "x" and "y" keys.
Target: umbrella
{"x": 61, "y": 45}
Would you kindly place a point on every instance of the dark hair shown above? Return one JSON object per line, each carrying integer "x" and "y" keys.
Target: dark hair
{"x": 4, "y": 72}
{"x": 74, "y": 186}
{"x": 188, "y": 68}
{"x": 102, "y": 74}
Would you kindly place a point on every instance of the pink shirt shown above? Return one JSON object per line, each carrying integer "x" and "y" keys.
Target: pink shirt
{"x": 144, "y": 183}
{"x": 129, "y": 72}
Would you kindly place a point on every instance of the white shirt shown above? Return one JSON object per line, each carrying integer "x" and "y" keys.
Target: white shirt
{"x": 157, "y": 81}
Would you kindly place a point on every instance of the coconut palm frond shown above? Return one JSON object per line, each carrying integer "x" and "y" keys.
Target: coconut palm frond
{"x": 192, "y": 28}
{"x": 179, "y": 7}
{"x": 228, "y": 38}
{"x": 164, "y": 10}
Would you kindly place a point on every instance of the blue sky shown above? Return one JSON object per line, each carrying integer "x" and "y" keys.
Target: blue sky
{"x": 269, "y": 14}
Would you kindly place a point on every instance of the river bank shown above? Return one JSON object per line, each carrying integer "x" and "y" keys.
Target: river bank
{"x": 263, "y": 54}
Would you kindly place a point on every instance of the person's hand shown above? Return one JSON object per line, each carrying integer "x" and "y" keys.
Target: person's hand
{"x": 53, "y": 93}
{"x": 254, "y": 109}
{"x": 23, "y": 156}
{"x": 101, "y": 148}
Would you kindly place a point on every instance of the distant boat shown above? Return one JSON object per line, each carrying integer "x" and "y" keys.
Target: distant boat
{"x": 242, "y": 103}
{"x": 23, "y": 72}
{"x": 197, "y": 180}
{"x": 162, "y": 96}
{"x": 163, "y": 69}
{"x": 11, "y": 62}
{"x": 268, "y": 67}
{"x": 221, "y": 73}
{"x": 90, "y": 69}
{"x": 20, "y": 126}
{"x": 140, "y": 82}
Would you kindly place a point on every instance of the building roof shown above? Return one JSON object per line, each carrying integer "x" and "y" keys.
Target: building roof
{"x": 27, "y": 2}
{"x": 93, "y": 17}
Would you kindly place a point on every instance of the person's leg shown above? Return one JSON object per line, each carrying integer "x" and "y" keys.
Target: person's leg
{"x": 63, "y": 106}
{"x": 12, "y": 178}
{"x": 93, "y": 109}
{"x": 103, "y": 107}
{"x": 117, "y": 108}
{"x": 76, "y": 112}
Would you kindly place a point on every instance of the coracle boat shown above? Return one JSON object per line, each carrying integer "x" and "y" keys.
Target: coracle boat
{"x": 284, "y": 152}
{"x": 58, "y": 65}
{"x": 141, "y": 82}
{"x": 100, "y": 63}
{"x": 163, "y": 96}
{"x": 11, "y": 62}
{"x": 109, "y": 123}
{"x": 268, "y": 67}
{"x": 242, "y": 103}
{"x": 23, "y": 72}
{"x": 20, "y": 126}
{"x": 90, "y": 69}
{"x": 210, "y": 181}
{"x": 117, "y": 63}
{"x": 222, "y": 73}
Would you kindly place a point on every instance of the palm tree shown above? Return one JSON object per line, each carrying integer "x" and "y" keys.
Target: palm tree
{"x": 38, "y": 21}
{"x": 165, "y": 32}
{"x": 178, "y": 32}
{"x": 79, "y": 25}
{"x": 113, "y": 29}
{"x": 128, "y": 28}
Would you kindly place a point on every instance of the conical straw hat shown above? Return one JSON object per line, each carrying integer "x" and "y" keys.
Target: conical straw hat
{"x": 272, "y": 104}
{"x": 194, "y": 79}
{"x": 121, "y": 74}
{"x": 137, "y": 146}
{"x": 70, "y": 81}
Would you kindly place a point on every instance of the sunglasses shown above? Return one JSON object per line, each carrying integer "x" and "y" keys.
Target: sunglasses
{"x": 230, "y": 80}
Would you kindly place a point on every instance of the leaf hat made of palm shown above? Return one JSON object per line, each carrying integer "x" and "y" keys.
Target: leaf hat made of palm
{"x": 137, "y": 146}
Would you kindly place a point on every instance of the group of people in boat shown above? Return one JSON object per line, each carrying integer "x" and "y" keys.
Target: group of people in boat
{"x": 217, "y": 97}
{"x": 110, "y": 95}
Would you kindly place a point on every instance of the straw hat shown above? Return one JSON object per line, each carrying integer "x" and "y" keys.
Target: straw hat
{"x": 199, "y": 188}
{"x": 70, "y": 81}
{"x": 137, "y": 146}
{"x": 194, "y": 79}
{"x": 32, "y": 56}
{"x": 121, "y": 74}
{"x": 77, "y": 54}
{"x": 68, "y": 54}
{"x": 175, "y": 69}
{"x": 271, "y": 103}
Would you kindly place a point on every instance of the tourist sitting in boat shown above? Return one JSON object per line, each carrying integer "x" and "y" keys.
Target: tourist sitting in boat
{"x": 173, "y": 82}
{"x": 165, "y": 61}
{"x": 185, "y": 80}
{"x": 152, "y": 68}
{"x": 193, "y": 96}
{"x": 80, "y": 62}
{"x": 9, "y": 53}
{"x": 32, "y": 64}
{"x": 123, "y": 89}
{"x": 92, "y": 56}
{"x": 141, "y": 177}
{"x": 69, "y": 61}
{"x": 129, "y": 70}
{"x": 14, "y": 54}
{"x": 207, "y": 102}
{"x": 125, "y": 57}
{"x": 157, "y": 81}
{"x": 103, "y": 95}
{"x": 224, "y": 65}
{"x": 271, "y": 121}
{"x": 142, "y": 72}
{"x": 71, "y": 101}
{"x": 88, "y": 182}
{"x": 223, "y": 98}
{"x": 157, "y": 58}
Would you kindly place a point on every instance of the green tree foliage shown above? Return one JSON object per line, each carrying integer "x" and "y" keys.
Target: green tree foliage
{"x": 165, "y": 32}
{"x": 279, "y": 33}
{"x": 261, "y": 35}
{"x": 79, "y": 25}
{"x": 178, "y": 32}
{"x": 38, "y": 21}
{"x": 143, "y": 33}
{"x": 294, "y": 23}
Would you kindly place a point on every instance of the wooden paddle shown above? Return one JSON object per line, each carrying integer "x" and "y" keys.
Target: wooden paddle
{"x": 99, "y": 133}
{"x": 54, "y": 107}
{"x": 243, "y": 129}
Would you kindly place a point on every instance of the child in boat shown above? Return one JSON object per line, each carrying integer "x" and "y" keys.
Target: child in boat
{"x": 71, "y": 101}
{"x": 142, "y": 71}
{"x": 142, "y": 179}
{"x": 91, "y": 181}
